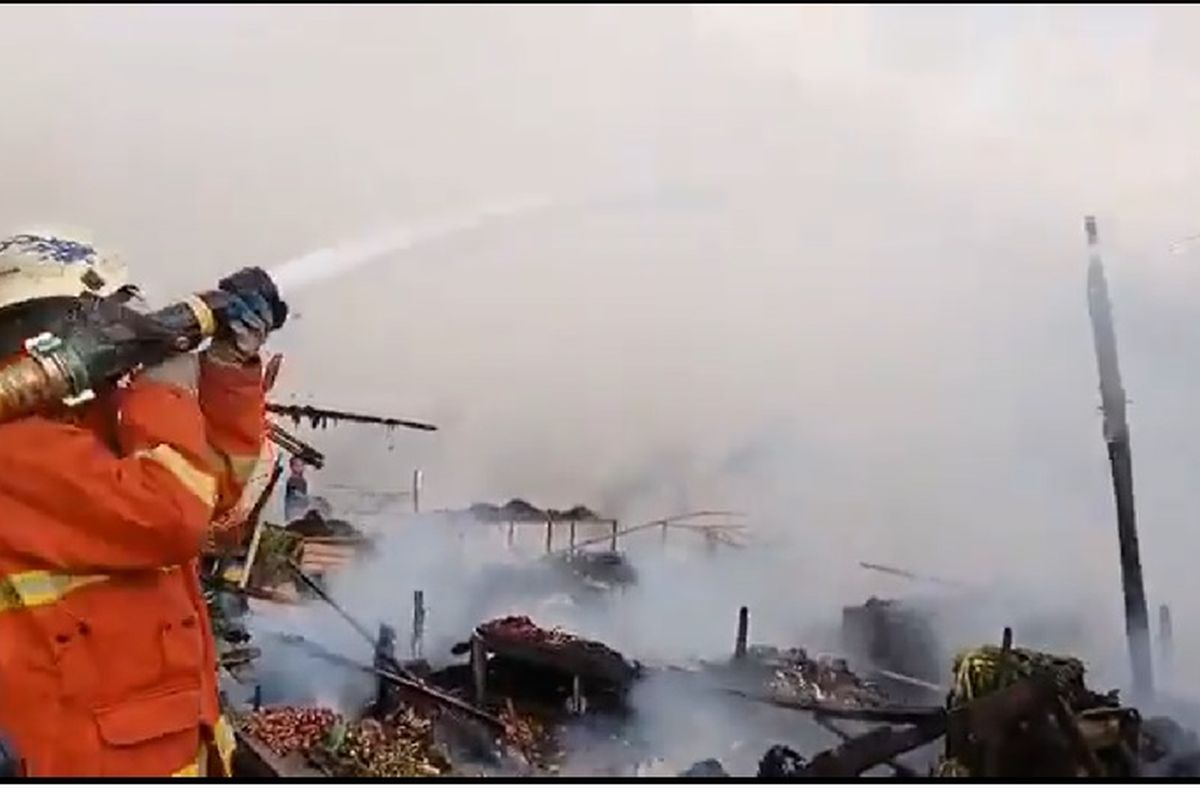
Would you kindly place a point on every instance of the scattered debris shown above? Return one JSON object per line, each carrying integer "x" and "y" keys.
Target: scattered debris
{"x": 519, "y": 638}
{"x": 289, "y": 729}
{"x": 401, "y": 746}
{"x": 708, "y": 768}
{"x": 517, "y": 510}
{"x": 781, "y": 761}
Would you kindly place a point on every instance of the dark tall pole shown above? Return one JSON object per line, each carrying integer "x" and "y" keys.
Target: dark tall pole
{"x": 1116, "y": 436}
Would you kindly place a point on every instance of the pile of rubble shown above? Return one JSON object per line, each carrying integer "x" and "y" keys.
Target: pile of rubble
{"x": 400, "y": 746}
{"x": 290, "y": 729}
{"x": 797, "y": 677}
{"x": 519, "y": 638}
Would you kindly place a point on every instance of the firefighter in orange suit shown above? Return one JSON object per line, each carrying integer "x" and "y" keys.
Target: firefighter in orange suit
{"x": 107, "y": 663}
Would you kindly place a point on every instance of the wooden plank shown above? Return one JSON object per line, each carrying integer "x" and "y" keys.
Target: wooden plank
{"x": 896, "y": 766}
{"x": 855, "y": 756}
{"x": 1079, "y": 748}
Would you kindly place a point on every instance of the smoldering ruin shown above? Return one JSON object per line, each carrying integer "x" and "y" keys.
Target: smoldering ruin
{"x": 448, "y": 648}
{"x": 770, "y": 444}
{"x": 540, "y": 641}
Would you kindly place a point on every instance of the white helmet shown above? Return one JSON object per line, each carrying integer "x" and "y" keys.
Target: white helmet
{"x": 38, "y": 265}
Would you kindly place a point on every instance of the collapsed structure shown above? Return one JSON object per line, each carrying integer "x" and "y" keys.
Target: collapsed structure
{"x": 507, "y": 705}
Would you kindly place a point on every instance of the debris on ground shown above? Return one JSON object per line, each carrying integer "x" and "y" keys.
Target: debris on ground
{"x": 400, "y": 746}
{"x": 781, "y": 761}
{"x": 708, "y": 768}
{"x": 519, "y": 638}
{"x": 290, "y": 729}
{"x": 530, "y": 737}
{"x": 795, "y": 676}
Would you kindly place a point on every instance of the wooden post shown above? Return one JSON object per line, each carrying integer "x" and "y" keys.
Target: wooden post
{"x": 572, "y": 546}
{"x": 416, "y": 491}
{"x": 512, "y": 530}
{"x": 614, "y": 536}
{"x": 1166, "y": 642}
{"x": 1007, "y": 640}
{"x": 257, "y": 696}
{"x": 743, "y": 633}
{"x": 385, "y": 657}
{"x": 1116, "y": 437}
{"x": 478, "y": 669}
{"x": 549, "y": 535}
{"x": 418, "y": 623}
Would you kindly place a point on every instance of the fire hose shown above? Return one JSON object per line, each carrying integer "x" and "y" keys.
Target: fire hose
{"x": 68, "y": 369}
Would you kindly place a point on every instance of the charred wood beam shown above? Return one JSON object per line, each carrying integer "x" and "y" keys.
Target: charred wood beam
{"x": 302, "y": 450}
{"x": 743, "y": 632}
{"x": 988, "y": 718}
{"x": 855, "y": 756}
{"x": 1079, "y": 746}
{"x": 900, "y": 770}
{"x": 1116, "y": 438}
{"x": 323, "y": 416}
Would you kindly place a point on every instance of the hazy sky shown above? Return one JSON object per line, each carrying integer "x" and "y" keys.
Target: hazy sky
{"x": 850, "y": 300}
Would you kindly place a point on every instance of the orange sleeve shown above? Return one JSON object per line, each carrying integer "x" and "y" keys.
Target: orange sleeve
{"x": 87, "y": 509}
{"x": 234, "y": 406}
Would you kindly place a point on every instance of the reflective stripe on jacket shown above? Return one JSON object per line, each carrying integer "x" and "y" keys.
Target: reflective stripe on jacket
{"x": 108, "y": 668}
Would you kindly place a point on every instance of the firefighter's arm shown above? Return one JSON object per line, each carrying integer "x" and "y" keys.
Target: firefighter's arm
{"x": 233, "y": 402}
{"x": 99, "y": 511}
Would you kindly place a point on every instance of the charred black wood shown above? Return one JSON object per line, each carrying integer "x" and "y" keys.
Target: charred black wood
{"x": 1116, "y": 437}
{"x": 879, "y": 746}
{"x": 829, "y": 725}
{"x": 743, "y": 631}
{"x": 302, "y": 450}
{"x": 321, "y": 417}
{"x": 781, "y": 761}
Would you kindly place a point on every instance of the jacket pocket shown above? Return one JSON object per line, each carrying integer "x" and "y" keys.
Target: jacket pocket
{"x": 154, "y": 735}
{"x": 182, "y": 647}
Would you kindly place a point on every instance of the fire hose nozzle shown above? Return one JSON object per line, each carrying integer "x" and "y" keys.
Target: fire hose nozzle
{"x": 69, "y": 369}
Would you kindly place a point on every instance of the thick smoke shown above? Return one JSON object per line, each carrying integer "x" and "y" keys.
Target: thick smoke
{"x": 848, "y": 300}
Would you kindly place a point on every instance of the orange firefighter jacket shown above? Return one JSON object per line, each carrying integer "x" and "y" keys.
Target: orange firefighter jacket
{"x": 107, "y": 663}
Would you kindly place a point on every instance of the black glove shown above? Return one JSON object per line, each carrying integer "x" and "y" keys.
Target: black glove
{"x": 253, "y": 311}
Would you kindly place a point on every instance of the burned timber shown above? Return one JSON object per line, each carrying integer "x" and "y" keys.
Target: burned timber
{"x": 514, "y": 694}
